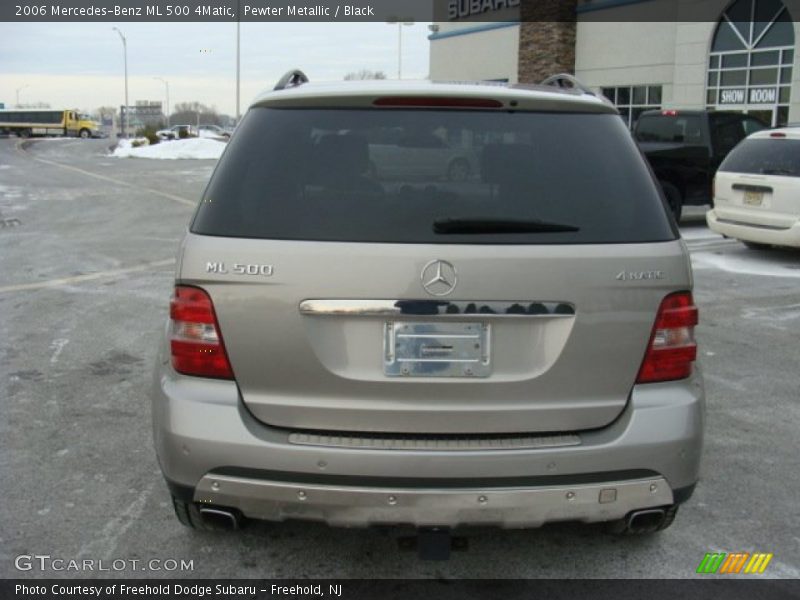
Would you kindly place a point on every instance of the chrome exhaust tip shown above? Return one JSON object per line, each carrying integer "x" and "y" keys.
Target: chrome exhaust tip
{"x": 219, "y": 518}
{"x": 646, "y": 520}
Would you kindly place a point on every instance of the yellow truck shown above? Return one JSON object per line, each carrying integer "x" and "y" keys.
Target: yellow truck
{"x": 37, "y": 121}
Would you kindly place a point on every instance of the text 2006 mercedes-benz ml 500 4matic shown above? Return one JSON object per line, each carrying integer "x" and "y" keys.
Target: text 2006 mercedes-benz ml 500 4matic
{"x": 493, "y": 327}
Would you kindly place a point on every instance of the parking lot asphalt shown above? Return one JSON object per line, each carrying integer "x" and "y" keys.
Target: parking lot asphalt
{"x": 87, "y": 245}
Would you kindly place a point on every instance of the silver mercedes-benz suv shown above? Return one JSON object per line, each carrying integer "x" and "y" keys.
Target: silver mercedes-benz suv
{"x": 358, "y": 338}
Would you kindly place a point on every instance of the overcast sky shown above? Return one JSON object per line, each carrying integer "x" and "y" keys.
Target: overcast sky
{"x": 81, "y": 64}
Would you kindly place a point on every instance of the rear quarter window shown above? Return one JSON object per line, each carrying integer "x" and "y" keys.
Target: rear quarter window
{"x": 387, "y": 175}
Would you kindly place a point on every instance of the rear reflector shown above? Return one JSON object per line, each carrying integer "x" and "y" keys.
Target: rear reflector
{"x": 195, "y": 341}
{"x": 437, "y": 102}
{"x": 672, "y": 348}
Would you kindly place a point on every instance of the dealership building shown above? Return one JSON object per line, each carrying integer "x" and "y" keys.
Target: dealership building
{"x": 642, "y": 54}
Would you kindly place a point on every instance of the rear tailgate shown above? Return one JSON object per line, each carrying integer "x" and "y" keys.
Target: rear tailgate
{"x": 554, "y": 247}
{"x": 767, "y": 200}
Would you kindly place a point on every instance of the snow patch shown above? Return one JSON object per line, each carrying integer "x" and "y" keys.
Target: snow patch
{"x": 771, "y": 314}
{"x": 749, "y": 262}
{"x": 699, "y": 233}
{"x": 9, "y": 192}
{"x": 193, "y": 148}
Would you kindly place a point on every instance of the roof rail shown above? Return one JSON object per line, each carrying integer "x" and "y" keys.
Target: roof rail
{"x": 567, "y": 82}
{"x": 292, "y": 78}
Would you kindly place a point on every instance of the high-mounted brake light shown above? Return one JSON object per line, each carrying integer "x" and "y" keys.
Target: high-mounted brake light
{"x": 777, "y": 134}
{"x": 195, "y": 341}
{"x": 669, "y": 113}
{"x": 436, "y": 102}
{"x": 672, "y": 348}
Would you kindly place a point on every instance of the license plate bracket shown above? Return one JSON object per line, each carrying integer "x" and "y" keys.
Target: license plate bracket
{"x": 753, "y": 198}
{"x": 429, "y": 349}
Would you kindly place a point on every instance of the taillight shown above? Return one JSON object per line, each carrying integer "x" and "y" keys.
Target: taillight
{"x": 195, "y": 341}
{"x": 672, "y": 348}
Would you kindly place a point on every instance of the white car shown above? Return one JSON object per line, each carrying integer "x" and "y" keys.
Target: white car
{"x": 757, "y": 190}
{"x": 177, "y": 132}
{"x": 215, "y": 132}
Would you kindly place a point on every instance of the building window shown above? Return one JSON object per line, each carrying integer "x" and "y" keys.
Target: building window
{"x": 750, "y": 64}
{"x": 633, "y": 100}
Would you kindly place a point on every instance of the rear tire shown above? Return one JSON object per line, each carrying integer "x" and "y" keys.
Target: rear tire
{"x": 620, "y": 526}
{"x": 756, "y": 245}
{"x": 674, "y": 199}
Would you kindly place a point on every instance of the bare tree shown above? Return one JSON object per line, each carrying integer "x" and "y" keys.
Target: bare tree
{"x": 194, "y": 113}
{"x": 364, "y": 74}
{"x": 106, "y": 112}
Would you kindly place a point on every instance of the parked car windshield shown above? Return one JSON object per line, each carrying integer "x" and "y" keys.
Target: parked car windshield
{"x": 765, "y": 156}
{"x": 386, "y": 175}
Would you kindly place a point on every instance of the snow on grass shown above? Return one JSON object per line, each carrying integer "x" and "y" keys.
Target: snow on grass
{"x": 192, "y": 148}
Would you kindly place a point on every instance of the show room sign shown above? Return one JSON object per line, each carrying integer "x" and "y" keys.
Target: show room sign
{"x": 756, "y": 96}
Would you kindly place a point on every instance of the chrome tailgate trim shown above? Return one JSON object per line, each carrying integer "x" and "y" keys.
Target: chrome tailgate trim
{"x": 438, "y": 308}
{"x": 411, "y": 442}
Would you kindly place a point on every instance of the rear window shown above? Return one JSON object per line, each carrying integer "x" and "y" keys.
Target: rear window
{"x": 388, "y": 175}
{"x": 685, "y": 129}
{"x": 765, "y": 156}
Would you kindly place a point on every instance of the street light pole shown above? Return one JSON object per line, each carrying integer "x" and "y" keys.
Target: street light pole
{"x": 19, "y": 90}
{"x": 125, "y": 119}
{"x": 238, "y": 63}
{"x": 400, "y": 24}
{"x": 166, "y": 84}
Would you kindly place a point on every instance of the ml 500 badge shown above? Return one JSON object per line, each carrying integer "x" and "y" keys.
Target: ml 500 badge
{"x": 239, "y": 269}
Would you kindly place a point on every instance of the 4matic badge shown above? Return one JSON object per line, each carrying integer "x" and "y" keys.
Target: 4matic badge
{"x": 639, "y": 275}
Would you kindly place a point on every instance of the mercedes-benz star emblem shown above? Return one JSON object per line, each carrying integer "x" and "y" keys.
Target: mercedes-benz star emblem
{"x": 439, "y": 278}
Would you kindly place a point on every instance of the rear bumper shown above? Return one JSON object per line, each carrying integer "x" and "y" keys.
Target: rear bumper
{"x": 209, "y": 445}
{"x": 349, "y": 506}
{"x": 743, "y": 226}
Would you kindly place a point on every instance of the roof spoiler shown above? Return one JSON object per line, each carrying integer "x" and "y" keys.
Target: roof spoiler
{"x": 565, "y": 81}
{"x": 292, "y": 78}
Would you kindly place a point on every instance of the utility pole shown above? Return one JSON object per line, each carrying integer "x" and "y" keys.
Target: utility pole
{"x": 166, "y": 84}
{"x": 19, "y": 90}
{"x": 126, "y": 117}
{"x": 400, "y": 23}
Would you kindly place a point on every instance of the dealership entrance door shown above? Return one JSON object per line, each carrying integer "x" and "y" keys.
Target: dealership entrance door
{"x": 751, "y": 60}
